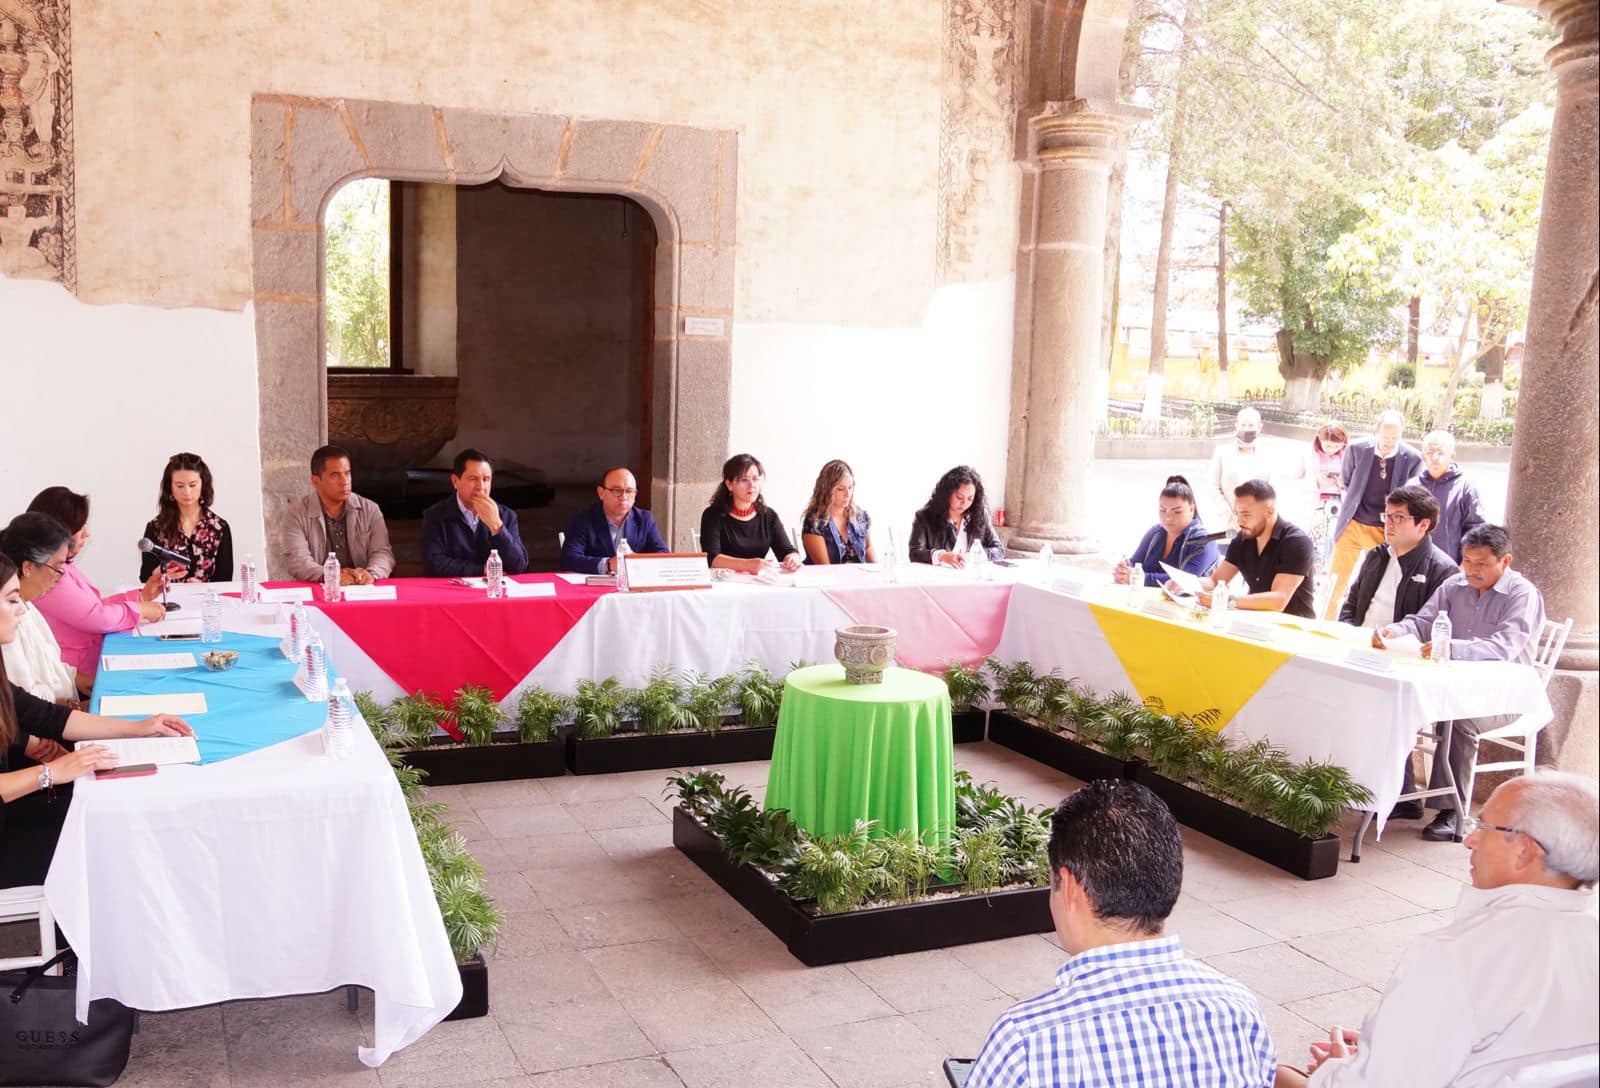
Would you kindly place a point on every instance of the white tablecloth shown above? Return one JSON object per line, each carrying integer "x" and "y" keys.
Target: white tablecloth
{"x": 279, "y": 872}
{"x": 1311, "y": 707}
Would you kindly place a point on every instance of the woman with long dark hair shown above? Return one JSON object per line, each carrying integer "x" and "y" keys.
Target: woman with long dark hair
{"x": 30, "y": 818}
{"x": 738, "y": 528}
{"x": 78, "y": 616}
{"x": 833, "y": 528}
{"x": 1178, "y": 538}
{"x": 186, "y": 524}
{"x": 955, "y": 518}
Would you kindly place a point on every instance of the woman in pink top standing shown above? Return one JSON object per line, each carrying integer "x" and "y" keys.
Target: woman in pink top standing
{"x": 78, "y": 616}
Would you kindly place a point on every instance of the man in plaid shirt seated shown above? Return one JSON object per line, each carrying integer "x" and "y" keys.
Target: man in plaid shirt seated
{"x": 1129, "y": 1006}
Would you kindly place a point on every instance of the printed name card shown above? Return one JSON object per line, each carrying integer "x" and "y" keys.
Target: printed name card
{"x": 285, "y": 594}
{"x": 368, "y": 593}
{"x": 651, "y": 572}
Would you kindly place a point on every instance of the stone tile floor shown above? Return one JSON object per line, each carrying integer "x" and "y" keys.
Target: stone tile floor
{"x": 621, "y": 964}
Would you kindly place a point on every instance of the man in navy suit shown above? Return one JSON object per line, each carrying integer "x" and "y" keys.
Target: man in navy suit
{"x": 592, "y": 534}
{"x": 1372, "y": 468}
{"x": 458, "y": 532}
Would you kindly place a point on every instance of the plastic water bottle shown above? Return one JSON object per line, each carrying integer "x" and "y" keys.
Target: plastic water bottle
{"x": 316, "y": 667}
{"x": 1442, "y": 632}
{"x": 1047, "y": 558}
{"x": 1219, "y": 604}
{"x": 340, "y": 736}
{"x": 249, "y": 582}
{"x": 330, "y": 579}
{"x": 624, "y": 549}
{"x": 977, "y": 560}
{"x": 494, "y": 575}
{"x": 891, "y": 560}
{"x": 299, "y": 628}
{"x": 211, "y": 617}
{"x": 1135, "y": 579}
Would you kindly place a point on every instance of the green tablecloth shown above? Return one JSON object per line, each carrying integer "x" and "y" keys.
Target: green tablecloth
{"x": 848, "y": 752}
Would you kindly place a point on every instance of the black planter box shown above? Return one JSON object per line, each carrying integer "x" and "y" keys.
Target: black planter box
{"x": 1056, "y": 749}
{"x": 652, "y": 751}
{"x": 966, "y": 726}
{"x": 474, "y": 990}
{"x": 1308, "y": 859}
{"x": 450, "y": 763}
{"x": 818, "y": 939}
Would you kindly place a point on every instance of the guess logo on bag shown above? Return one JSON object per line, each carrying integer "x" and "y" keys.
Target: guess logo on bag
{"x": 44, "y": 1039}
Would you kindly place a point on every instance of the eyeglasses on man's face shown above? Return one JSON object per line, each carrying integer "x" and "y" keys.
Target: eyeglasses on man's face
{"x": 624, "y": 492}
{"x": 1469, "y": 824}
{"x": 1398, "y": 519}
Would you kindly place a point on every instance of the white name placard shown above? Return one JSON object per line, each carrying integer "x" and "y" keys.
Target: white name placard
{"x": 651, "y": 571}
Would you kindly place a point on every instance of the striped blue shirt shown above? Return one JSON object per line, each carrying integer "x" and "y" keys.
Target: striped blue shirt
{"x": 1140, "y": 1014}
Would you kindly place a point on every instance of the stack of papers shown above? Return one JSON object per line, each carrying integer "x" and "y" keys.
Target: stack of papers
{"x": 158, "y": 750}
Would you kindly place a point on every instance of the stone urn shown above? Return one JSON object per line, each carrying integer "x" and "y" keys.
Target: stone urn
{"x": 864, "y": 651}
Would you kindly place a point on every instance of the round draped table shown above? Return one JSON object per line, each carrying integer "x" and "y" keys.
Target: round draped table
{"x": 847, "y": 752}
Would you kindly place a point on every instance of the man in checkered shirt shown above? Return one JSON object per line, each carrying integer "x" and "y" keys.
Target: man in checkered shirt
{"x": 1129, "y": 1006}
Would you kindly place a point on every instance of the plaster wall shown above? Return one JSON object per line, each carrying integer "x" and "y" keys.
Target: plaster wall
{"x": 101, "y": 396}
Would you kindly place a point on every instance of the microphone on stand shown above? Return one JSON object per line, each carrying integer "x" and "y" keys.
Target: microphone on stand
{"x": 166, "y": 555}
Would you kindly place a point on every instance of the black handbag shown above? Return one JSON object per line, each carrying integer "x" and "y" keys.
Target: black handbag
{"x": 41, "y": 1041}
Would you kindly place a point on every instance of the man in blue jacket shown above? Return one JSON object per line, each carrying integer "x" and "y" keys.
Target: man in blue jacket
{"x": 1372, "y": 468}
{"x": 459, "y": 532}
{"x": 593, "y": 533}
{"x": 1460, "y": 508}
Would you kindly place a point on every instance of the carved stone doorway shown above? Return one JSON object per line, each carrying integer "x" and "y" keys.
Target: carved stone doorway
{"x": 303, "y": 149}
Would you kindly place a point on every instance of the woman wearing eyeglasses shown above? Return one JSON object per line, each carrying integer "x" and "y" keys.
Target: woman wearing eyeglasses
{"x": 593, "y": 534}
{"x": 1178, "y": 538}
{"x": 36, "y": 544}
{"x": 78, "y": 616}
{"x": 738, "y": 528}
{"x": 186, "y": 524}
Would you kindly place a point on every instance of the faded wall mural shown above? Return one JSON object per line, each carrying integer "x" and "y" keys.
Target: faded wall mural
{"x": 36, "y": 231}
{"x": 979, "y": 103}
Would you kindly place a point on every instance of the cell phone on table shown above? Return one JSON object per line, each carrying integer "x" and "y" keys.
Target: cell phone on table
{"x": 178, "y": 638}
{"x": 132, "y": 770}
{"x": 957, "y": 1070}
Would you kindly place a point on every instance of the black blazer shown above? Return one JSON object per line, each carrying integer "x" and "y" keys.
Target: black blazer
{"x": 1425, "y": 559}
{"x": 931, "y": 533}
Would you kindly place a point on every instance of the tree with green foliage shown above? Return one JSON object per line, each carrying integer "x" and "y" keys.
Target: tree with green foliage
{"x": 356, "y": 285}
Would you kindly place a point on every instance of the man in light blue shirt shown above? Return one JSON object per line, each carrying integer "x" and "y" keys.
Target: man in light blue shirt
{"x": 1129, "y": 1007}
{"x": 1495, "y": 615}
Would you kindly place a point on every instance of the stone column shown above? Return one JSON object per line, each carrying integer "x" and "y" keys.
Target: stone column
{"x": 1060, "y": 291}
{"x": 1555, "y": 458}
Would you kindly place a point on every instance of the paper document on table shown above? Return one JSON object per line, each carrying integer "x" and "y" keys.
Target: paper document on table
{"x": 177, "y": 702}
{"x": 286, "y": 594}
{"x": 158, "y": 750}
{"x": 471, "y": 583}
{"x": 529, "y": 589}
{"x": 573, "y": 579}
{"x": 1189, "y": 583}
{"x": 1402, "y": 646}
{"x": 126, "y": 662}
{"x": 189, "y": 625}
{"x": 368, "y": 593}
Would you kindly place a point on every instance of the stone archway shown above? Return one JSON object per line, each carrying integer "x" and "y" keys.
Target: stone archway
{"x": 303, "y": 149}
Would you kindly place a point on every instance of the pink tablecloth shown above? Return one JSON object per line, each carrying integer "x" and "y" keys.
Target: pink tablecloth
{"x": 435, "y": 636}
{"x": 936, "y": 625}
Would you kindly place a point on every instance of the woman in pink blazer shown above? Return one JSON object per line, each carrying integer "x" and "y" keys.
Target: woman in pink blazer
{"x": 78, "y": 616}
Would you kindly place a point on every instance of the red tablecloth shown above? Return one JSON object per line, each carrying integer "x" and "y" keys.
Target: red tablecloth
{"x": 434, "y": 633}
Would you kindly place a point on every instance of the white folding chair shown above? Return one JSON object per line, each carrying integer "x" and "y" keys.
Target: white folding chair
{"x": 1521, "y": 736}
{"x": 21, "y": 904}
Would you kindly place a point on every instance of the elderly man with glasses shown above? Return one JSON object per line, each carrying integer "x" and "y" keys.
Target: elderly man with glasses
{"x": 1460, "y": 507}
{"x": 1510, "y": 985}
{"x": 594, "y": 533}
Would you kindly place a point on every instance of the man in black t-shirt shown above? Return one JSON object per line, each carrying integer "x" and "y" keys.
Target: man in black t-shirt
{"x": 1275, "y": 557}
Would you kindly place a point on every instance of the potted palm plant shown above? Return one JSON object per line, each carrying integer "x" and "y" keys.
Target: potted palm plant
{"x": 677, "y": 719}
{"x": 1059, "y": 723}
{"x": 491, "y": 748}
{"x": 969, "y": 691}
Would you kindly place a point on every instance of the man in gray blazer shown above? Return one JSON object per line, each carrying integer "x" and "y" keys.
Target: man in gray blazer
{"x": 333, "y": 518}
{"x": 1372, "y": 468}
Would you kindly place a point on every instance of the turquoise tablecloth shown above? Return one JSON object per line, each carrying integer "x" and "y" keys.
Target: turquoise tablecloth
{"x": 252, "y": 705}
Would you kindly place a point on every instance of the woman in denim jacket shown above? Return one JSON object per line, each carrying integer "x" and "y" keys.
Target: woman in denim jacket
{"x": 833, "y": 528}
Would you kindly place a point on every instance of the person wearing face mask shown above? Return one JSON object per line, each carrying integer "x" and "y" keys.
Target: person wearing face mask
{"x": 186, "y": 524}
{"x": 1178, "y": 539}
{"x": 738, "y": 528}
{"x": 1372, "y": 468}
{"x": 833, "y": 528}
{"x": 1237, "y": 461}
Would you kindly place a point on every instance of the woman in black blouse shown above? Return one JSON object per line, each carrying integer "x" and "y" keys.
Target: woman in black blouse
{"x": 954, "y": 520}
{"x": 186, "y": 524}
{"x": 30, "y": 811}
{"x": 738, "y": 528}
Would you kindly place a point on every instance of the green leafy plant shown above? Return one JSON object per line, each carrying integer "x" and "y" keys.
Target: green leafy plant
{"x": 699, "y": 792}
{"x": 477, "y": 714}
{"x": 1317, "y": 795}
{"x": 374, "y": 713}
{"x": 417, "y": 717}
{"x": 980, "y": 857}
{"x": 968, "y": 686}
{"x": 598, "y": 707}
{"x": 909, "y": 865}
{"x": 839, "y": 872}
{"x": 539, "y": 712}
{"x": 659, "y": 704}
{"x": 706, "y": 700}
{"x": 1107, "y": 725}
{"x": 1017, "y": 687}
{"x": 471, "y": 918}
{"x": 758, "y": 696}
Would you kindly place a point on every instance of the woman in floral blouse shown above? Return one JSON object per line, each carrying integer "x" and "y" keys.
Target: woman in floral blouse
{"x": 187, "y": 525}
